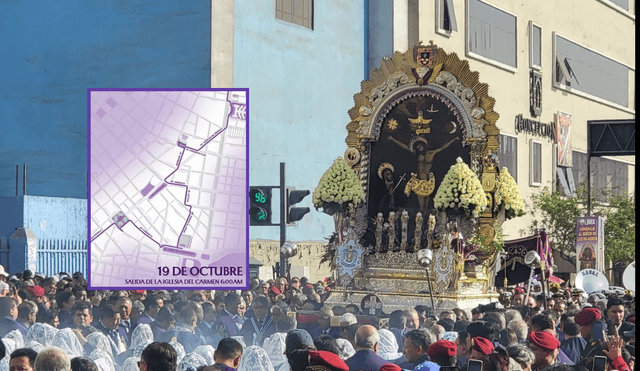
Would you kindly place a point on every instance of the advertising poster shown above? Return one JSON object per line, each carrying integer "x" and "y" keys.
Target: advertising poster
{"x": 590, "y": 243}
{"x": 563, "y": 138}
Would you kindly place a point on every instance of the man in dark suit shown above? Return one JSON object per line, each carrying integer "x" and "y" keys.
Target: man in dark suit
{"x": 108, "y": 325}
{"x": 367, "y": 343}
{"x": 124, "y": 306}
{"x": 184, "y": 330}
{"x": 261, "y": 325}
{"x": 8, "y": 316}
{"x": 323, "y": 326}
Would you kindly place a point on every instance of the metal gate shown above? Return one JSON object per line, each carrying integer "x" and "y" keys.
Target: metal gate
{"x": 55, "y": 256}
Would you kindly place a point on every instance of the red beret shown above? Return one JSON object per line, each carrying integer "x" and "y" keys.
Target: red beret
{"x": 36, "y": 291}
{"x": 442, "y": 348}
{"x": 483, "y": 345}
{"x": 520, "y": 290}
{"x": 390, "y": 367}
{"x": 588, "y": 316}
{"x": 328, "y": 359}
{"x": 138, "y": 291}
{"x": 275, "y": 290}
{"x": 544, "y": 340}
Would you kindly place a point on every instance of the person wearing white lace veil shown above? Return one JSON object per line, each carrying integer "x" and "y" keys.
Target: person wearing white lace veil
{"x": 240, "y": 339}
{"x": 275, "y": 346}
{"x": 140, "y": 347}
{"x": 104, "y": 364}
{"x": 345, "y": 348}
{"x": 98, "y": 341}
{"x": 388, "y": 345}
{"x": 67, "y": 340}
{"x": 34, "y": 345}
{"x": 130, "y": 364}
{"x": 43, "y": 333}
{"x": 179, "y": 350}
{"x": 9, "y": 346}
{"x": 254, "y": 358}
{"x": 206, "y": 351}
{"x": 191, "y": 362}
{"x": 141, "y": 334}
{"x": 17, "y": 336}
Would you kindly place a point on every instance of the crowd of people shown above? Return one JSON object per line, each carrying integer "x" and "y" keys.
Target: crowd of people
{"x": 56, "y": 324}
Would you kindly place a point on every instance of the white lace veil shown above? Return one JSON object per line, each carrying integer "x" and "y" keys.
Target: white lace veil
{"x": 255, "y": 358}
{"x": 206, "y": 351}
{"x": 388, "y": 345}
{"x": 191, "y": 362}
{"x": 43, "y": 333}
{"x": 345, "y": 348}
{"x": 67, "y": 340}
{"x": 274, "y": 345}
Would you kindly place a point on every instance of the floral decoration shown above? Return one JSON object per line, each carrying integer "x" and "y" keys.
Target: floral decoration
{"x": 461, "y": 190}
{"x": 339, "y": 184}
{"x": 508, "y": 195}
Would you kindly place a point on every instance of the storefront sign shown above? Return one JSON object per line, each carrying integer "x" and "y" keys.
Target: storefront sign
{"x": 535, "y": 93}
{"x": 590, "y": 243}
{"x": 535, "y": 127}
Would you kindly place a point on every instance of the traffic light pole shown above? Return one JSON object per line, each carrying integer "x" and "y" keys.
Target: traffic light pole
{"x": 283, "y": 220}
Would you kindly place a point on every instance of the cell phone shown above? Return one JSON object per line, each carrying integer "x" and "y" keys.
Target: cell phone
{"x": 599, "y": 330}
{"x": 475, "y": 365}
{"x": 599, "y": 363}
{"x": 450, "y": 368}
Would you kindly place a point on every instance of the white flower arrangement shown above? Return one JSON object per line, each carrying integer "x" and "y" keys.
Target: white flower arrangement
{"x": 339, "y": 184}
{"x": 508, "y": 195}
{"x": 461, "y": 189}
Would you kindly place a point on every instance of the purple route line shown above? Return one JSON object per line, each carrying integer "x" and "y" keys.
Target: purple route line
{"x": 104, "y": 230}
{"x": 169, "y": 248}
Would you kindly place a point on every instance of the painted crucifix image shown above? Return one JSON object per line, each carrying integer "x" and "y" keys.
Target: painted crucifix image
{"x": 423, "y": 182}
{"x": 421, "y": 136}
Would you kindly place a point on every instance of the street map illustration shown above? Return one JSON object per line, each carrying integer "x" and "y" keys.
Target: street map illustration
{"x": 168, "y": 186}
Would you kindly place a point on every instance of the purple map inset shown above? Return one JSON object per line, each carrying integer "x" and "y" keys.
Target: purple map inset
{"x": 192, "y": 146}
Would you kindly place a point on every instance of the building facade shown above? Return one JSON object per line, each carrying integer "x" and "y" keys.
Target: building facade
{"x": 551, "y": 67}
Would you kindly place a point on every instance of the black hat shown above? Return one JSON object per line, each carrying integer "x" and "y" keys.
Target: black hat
{"x": 296, "y": 339}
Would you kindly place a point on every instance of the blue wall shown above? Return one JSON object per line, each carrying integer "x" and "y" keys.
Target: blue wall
{"x": 11, "y": 215}
{"x": 50, "y": 218}
{"x": 51, "y": 52}
{"x": 301, "y": 84}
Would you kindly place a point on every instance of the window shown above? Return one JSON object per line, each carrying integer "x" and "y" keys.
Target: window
{"x": 535, "y": 46}
{"x": 299, "y": 12}
{"x": 579, "y": 69}
{"x": 445, "y": 17}
{"x": 535, "y": 163}
{"x": 606, "y": 174}
{"x": 491, "y": 34}
{"x": 508, "y": 154}
{"x": 624, "y": 4}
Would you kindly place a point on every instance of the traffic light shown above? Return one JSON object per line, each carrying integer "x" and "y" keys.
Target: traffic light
{"x": 293, "y": 197}
{"x": 260, "y": 205}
